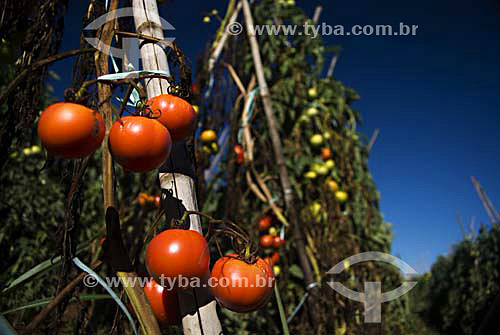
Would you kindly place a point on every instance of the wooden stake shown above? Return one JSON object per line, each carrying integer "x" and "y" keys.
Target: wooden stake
{"x": 222, "y": 42}
{"x": 317, "y": 13}
{"x": 372, "y": 140}
{"x": 198, "y": 309}
{"x": 329, "y": 74}
{"x": 488, "y": 206}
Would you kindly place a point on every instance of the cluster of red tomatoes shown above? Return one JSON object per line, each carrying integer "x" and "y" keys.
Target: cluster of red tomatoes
{"x": 140, "y": 143}
{"x": 236, "y": 284}
{"x": 270, "y": 241}
{"x": 145, "y": 200}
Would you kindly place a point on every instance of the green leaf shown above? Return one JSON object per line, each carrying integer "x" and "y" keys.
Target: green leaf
{"x": 295, "y": 271}
{"x": 38, "y": 269}
{"x": 46, "y": 301}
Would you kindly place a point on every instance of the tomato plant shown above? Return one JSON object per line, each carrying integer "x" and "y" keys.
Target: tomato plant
{"x": 174, "y": 113}
{"x": 163, "y": 303}
{"x": 70, "y": 130}
{"x": 257, "y": 287}
{"x": 139, "y": 144}
{"x": 178, "y": 252}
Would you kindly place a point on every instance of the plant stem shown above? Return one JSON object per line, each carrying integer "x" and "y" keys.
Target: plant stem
{"x": 281, "y": 310}
{"x": 143, "y": 310}
{"x": 57, "y": 300}
{"x": 35, "y": 66}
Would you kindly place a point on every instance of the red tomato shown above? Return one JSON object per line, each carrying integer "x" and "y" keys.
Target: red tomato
{"x": 157, "y": 201}
{"x": 139, "y": 144}
{"x": 163, "y": 303}
{"x": 240, "y": 156}
{"x": 275, "y": 258}
{"x": 239, "y": 286}
{"x": 265, "y": 223}
{"x": 266, "y": 241}
{"x": 195, "y": 88}
{"x": 174, "y": 113}
{"x": 278, "y": 242}
{"x": 178, "y": 252}
{"x": 70, "y": 130}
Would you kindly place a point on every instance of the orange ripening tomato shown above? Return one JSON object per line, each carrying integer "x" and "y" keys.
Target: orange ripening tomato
{"x": 240, "y": 286}
{"x": 139, "y": 144}
{"x": 265, "y": 223}
{"x": 70, "y": 130}
{"x": 178, "y": 252}
{"x": 174, "y": 113}
{"x": 266, "y": 241}
{"x": 141, "y": 201}
{"x": 163, "y": 303}
{"x": 326, "y": 154}
{"x": 240, "y": 156}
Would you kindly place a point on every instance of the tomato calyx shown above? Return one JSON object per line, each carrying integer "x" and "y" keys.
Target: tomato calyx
{"x": 144, "y": 110}
{"x": 241, "y": 243}
{"x": 178, "y": 90}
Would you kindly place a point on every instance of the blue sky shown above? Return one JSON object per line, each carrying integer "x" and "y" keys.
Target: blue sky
{"x": 435, "y": 98}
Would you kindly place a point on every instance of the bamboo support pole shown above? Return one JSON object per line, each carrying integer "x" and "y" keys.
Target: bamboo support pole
{"x": 222, "y": 42}
{"x": 198, "y": 308}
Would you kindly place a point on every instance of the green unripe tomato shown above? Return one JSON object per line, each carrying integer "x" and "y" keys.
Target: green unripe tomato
{"x": 312, "y": 92}
{"x": 311, "y": 175}
{"x": 320, "y": 169}
{"x": 273, "y": 231}
{"x": 330, "y": 164}
{"x": 315, "y": 208}
{"x": 312, "y": 111}
{"x": 341, "y": 196}
{"x": 36, "y": 149}
{"x": 316, "y": 140}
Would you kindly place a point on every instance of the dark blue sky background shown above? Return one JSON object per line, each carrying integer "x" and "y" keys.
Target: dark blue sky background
{"x": 435, "y": 98}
